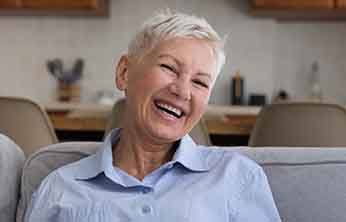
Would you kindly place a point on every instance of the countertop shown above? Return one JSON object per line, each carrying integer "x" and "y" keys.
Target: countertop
{"x": 212, "y": 110}
{"x": 220, "y": 120}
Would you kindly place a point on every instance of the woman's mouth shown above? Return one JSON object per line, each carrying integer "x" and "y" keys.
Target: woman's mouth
{"x": 169, "y": 109}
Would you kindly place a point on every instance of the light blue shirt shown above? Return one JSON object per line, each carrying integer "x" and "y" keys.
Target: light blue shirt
{"x": 199, "y": 184}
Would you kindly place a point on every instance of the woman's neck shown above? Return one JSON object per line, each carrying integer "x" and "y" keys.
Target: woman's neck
{"x": 139, "y": 157}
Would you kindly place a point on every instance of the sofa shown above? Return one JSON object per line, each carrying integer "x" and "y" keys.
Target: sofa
{"x": 11, "y": 162}
{"x": 308, "y": 184}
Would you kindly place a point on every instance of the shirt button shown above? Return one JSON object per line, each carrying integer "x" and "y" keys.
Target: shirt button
{"x": 146, "y": 209}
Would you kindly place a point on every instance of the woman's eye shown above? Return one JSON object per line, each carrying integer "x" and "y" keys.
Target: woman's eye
{"x": 201, "y": 83}
{"x": 168, "y": 67}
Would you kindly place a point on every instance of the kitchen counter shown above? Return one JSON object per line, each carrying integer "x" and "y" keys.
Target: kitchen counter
{"x": 220, "y": 120}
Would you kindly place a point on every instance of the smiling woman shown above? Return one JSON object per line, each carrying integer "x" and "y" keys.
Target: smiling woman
{"x": 175, "y": 80}
{"x": 150, "y": 169}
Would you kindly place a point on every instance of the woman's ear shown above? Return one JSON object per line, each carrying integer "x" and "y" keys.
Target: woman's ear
{"x": 121, "y": 75}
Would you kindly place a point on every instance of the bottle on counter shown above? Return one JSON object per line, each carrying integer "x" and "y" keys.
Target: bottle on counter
{"x": 237, "y": 89}
{"x": 315, "y": 87}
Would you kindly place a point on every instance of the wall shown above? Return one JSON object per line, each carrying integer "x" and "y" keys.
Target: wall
{"x": 270, "y": 55}
{"x": 302, "y": 43}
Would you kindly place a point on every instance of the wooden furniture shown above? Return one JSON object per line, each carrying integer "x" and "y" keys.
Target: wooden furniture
{"x": 231, "y": 120}
{"x": 231, "y": 125}
{"x": 300, "y": 9}
{"x": 10, "y": 3}
{"x": 54, "y": 7}
{"x": 78, "y": 117}
{"x": 220, "y": 120}
{"x": 294, "y": 4}
{"x": 341, "y": 4}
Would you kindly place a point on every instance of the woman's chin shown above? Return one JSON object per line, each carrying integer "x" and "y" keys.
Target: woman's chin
{"x": 167, "y": 134}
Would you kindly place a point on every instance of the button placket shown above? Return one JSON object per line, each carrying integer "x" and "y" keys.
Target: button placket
{"x": 144, "y": 204}
{"x": 146, "y": 209}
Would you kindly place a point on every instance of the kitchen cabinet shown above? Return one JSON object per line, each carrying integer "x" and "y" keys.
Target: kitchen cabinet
{"x": 54, "y": 7}
{"x": 61, "y": 4}
{"x": 10, "y": 3}
{"x": 341, "y": 4}
{"x": 299, "y": 9}
{"x": 294, "y": 4}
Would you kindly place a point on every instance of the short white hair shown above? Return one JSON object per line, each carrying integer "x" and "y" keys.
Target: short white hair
{"x": 165, "y": 25}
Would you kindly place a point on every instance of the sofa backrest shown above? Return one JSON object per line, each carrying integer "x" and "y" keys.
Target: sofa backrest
{"x": 308, "y": 184}
{"x": 11, "y": 162}
{"x": 44, "y": 161}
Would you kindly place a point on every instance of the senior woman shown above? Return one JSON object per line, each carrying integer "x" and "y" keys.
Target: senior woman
{"x": 151, "y": 170}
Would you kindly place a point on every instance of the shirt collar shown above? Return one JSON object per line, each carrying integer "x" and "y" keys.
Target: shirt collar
{"x": 187, "y": 154}
{"x": 101, "y": 161}
{"x": 191, "y": 156}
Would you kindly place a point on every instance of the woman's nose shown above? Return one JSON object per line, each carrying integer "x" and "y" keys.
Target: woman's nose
{"x": 181, "y": 89}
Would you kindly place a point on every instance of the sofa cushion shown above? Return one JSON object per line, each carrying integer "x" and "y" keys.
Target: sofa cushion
{"x": 11, "y": 163}
{"x": 44, "y": 161}
{"x": 308, "y": 184}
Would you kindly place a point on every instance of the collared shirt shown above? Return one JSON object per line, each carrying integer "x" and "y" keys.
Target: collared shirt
{"x": 199, "y": 184}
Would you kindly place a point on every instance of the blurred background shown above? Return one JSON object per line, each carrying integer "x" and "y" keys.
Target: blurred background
{"x": 270, "y": 54}
{"x": 276, "y": 50}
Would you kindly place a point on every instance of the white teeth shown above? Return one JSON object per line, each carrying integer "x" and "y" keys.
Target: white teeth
{"x": 170, "y": 108}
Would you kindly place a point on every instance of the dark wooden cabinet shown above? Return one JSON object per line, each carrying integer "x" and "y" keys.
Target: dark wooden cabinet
{"x": 10, "y": 3}
{"x": 300, "y": 9}
{"x": 341, "y": 4}
{"x": 293, "y": 4}
{"x": 61, "y": 4}
{"x": 54, "y": 7}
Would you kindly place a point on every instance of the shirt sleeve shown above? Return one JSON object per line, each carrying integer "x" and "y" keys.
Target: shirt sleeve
{"x": 41, "y": 207}
{"x": 256, "y": 202}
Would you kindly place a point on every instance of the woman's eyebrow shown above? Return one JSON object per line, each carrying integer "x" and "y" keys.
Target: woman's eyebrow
{"x": 208, "y": 75}
{"x": 204, "y": 74}
{"x": 171, "y": 57}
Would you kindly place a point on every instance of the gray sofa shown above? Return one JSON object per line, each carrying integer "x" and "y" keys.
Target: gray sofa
{"x": 11, "y": 162}
{"x": 308, "y": 184}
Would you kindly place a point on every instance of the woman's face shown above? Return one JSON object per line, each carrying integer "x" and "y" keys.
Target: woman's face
{"x": 167, "y": 90}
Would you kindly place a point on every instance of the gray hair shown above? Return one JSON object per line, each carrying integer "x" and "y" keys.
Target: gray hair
{"x": 165, "y": 25}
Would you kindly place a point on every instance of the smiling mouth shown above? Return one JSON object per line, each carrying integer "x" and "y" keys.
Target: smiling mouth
{"x": 173, "y": 111}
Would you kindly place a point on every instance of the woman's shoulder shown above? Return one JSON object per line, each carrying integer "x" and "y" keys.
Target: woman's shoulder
{"x": 229, "y": 158}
